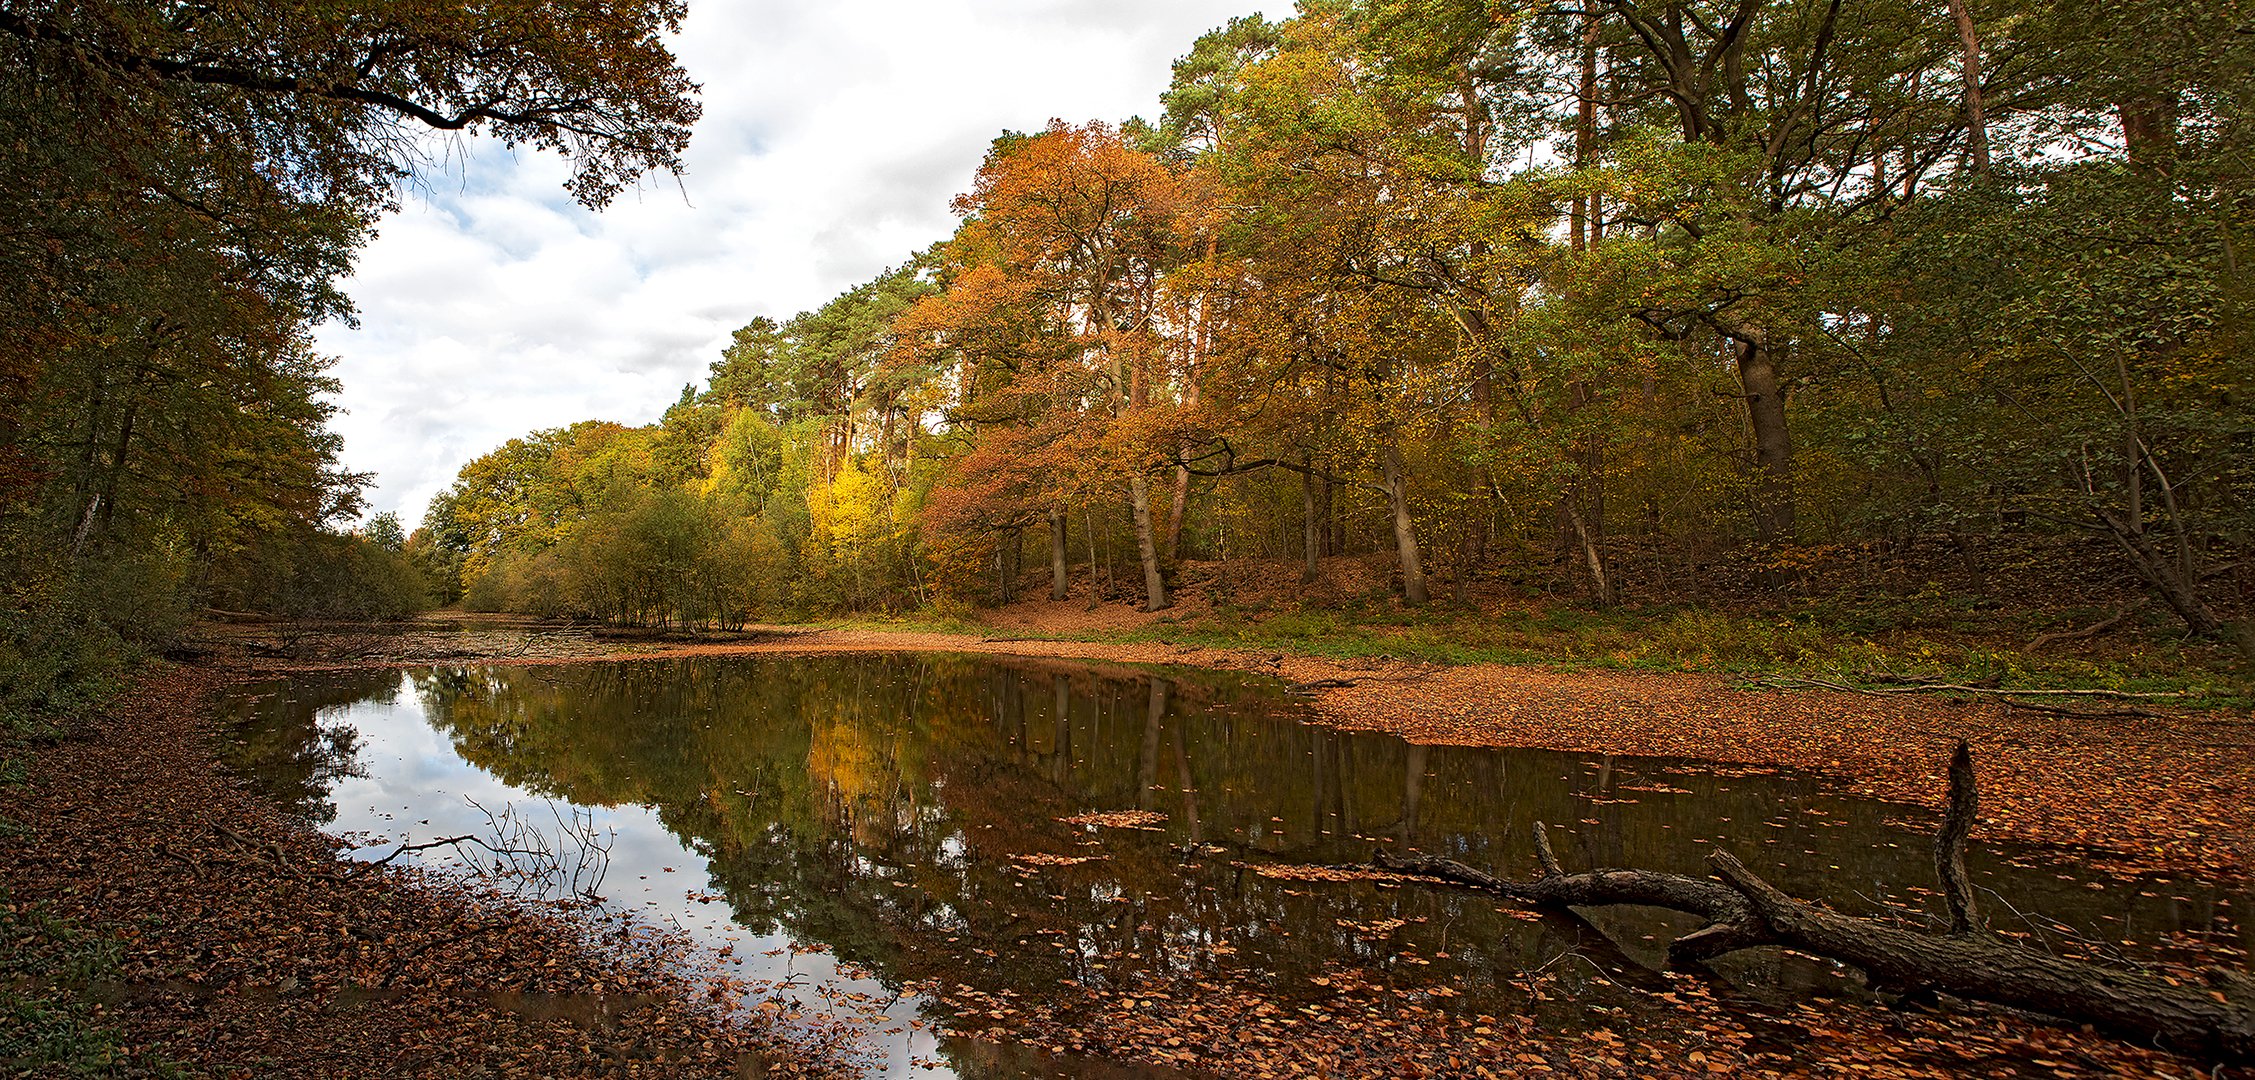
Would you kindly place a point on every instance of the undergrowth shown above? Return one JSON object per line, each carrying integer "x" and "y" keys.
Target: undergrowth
{"x": 52, "y": 1021}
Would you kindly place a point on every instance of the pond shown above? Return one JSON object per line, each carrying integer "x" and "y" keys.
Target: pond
{"x": 852, "y": 829}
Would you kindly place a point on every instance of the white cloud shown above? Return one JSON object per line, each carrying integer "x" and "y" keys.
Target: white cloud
{"x": 834, "y": 136}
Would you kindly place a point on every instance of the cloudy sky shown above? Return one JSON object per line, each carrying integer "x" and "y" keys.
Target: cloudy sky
{"x": 834, "y": 135}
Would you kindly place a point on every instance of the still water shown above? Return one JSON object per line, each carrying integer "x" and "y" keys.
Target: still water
{"x": 848, "y": 826}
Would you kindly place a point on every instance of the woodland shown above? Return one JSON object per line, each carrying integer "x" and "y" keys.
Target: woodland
{"x": 181, "y": 189}
{"x": 1650, "y": 315}
{"x": 1563, "y": 301}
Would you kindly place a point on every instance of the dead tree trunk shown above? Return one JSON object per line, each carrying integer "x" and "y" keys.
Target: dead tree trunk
{"x": 2215, "y": 1021}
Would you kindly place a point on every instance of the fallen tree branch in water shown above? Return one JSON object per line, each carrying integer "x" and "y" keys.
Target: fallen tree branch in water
{"x": 2211, "y": 1016}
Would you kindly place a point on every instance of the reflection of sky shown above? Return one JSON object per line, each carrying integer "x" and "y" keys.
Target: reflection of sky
{"x": 416, "y": 789}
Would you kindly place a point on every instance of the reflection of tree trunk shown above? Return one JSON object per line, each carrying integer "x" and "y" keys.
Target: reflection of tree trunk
{"x": 1338, "y": 778}
{"x": 1405, "y": 528}
{"x": 1061, "y": 742}
{"x": 1014, "y": 715}
{"x": 1413, "y": 791}
{"x": 1606, "y": 845}
{"x": 1189, "y": 788}
{"x": 1146, "y": 546}
{"x": 1147, "y": 766}
{"x": 1057, "y": 576}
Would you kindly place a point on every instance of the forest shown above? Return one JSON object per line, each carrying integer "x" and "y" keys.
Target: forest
{"x": 182, "y": 190}
{"x": 1590, "y": 301}
{"x": 1664, "y": 446}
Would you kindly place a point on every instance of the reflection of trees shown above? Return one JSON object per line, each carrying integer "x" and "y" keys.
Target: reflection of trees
{"x": 281, "y": 738}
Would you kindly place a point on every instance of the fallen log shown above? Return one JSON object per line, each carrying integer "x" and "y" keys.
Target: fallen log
{"x": 2210, "y": 1016}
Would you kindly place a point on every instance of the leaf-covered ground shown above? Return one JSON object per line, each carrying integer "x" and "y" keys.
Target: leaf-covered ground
{"x": 237, "y": 945}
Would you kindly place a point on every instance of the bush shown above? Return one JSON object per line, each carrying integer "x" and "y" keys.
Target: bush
{"x": 326, "y": 576}
{"x": 69, "y": 629}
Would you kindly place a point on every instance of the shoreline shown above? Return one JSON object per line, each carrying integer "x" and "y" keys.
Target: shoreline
{"x": 251, "y": 948}
{"x": 2166, "y": 793}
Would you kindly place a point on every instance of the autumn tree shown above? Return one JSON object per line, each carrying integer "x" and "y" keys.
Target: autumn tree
{"x": 1077, "y": 230}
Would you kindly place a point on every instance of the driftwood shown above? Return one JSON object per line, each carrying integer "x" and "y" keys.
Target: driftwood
{"x": 2211, "y": 1016}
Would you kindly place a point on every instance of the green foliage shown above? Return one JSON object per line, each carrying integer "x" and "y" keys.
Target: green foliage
{"x": 182, "y": 191}
{"x": 49, "y": 1023}
{"x": 69, "y": 632}
{"x": 385, "y": 532}
{"x": 327, "y": 576}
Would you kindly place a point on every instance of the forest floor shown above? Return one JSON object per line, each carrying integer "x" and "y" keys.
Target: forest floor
{"x": 158, "y": 914}
{"x": 158, "y": 917}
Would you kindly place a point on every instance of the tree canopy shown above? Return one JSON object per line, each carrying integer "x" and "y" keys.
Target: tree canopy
{"x": 181, "y": 188}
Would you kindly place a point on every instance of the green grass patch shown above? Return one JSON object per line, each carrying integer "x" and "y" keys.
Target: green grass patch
{"x": 52, "y": 1022}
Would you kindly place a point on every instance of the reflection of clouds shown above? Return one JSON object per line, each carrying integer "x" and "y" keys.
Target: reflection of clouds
{"x": 414, "y": 776}
{"x": 834, "y": 136}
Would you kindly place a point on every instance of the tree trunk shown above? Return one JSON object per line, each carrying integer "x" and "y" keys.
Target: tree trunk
{"x": 1002, "y": 592}
{"x": 2149, "y": 130}
{"x": 1175, "y": 512}
{"x": 1154, "y": 582}
{"x": 1334, "y": 526}
{"x": 1405, "y": 528}
{"x": 1592, "y": 554}
{"x": 2160, "y": 572}
{"x": 1312, "y": 525}
{"x": 1976, "y": 118}
{"x": 1058, "y": 581}
{"x": 2215, "y": 1022}
{"x": 1773, "y": 444}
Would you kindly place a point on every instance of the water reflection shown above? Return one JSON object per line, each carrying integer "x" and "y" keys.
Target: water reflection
{"x": 907, "y": 814}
